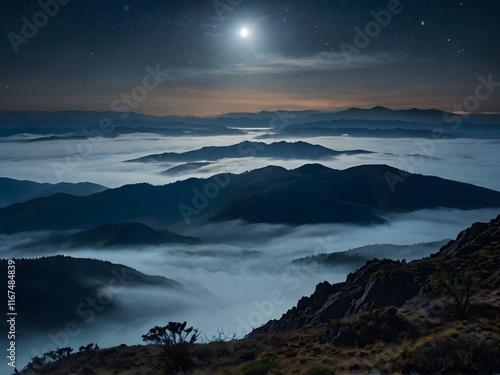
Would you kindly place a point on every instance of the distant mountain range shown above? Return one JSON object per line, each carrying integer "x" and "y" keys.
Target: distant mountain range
{"x": 415, "y": 115}
{"x": 265, "y": 119}
{"x": 278, "y": 150}
{"x": 117, "y": 235}
{"x": 185, "y": 168}
{"x": 306, "y": 195}
{"x": 52, "y": 291}
{"x": 355, "y": 258}
{"x": 311, "y": 132}
{"x": 170, "y": 130}
{"x": 14, "y": 191}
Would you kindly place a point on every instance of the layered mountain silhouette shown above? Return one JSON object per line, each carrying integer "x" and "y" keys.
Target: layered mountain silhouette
{"x": 185, "y": 168}
{"x": 55, "y": 290}
{"x": 13, "y": 121}
{"x": 319, "y": 131}
{"x": 117, "y": 235}
{"x": 309, "y": 194}
{"x": 356, "y": 258}
{"x": 378, "y": 113}
{"x": 14, "y": 191}
{"x": 278, "y": 150}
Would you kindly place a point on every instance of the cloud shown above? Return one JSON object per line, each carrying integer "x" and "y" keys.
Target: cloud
{"x": 278, "y": 64}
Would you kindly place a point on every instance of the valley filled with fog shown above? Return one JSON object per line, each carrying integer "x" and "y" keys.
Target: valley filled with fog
{"x": 241, "y": 275}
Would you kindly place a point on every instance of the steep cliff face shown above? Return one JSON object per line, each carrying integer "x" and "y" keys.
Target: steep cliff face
{"x": 380, "y": 284}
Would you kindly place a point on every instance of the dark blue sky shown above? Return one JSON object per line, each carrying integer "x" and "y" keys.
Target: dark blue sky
{"x": 87, "y": 54}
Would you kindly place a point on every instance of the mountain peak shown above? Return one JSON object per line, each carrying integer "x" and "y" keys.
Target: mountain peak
{"x": 308, "y": 169}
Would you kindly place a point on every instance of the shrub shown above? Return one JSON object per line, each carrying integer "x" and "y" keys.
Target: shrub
{"x": 90, "y": 350}
{"x": 458, "y": 286}
{"x": 176, "y": 341}
{"x": 50, "y": 361}
{"x": 464, "y": 354}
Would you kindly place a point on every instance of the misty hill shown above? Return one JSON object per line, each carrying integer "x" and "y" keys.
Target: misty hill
{"x": 113, "y": 236}
{"x": 14, "y": 191}
{"x": 174, "y": 130}
{"x": 52, "y": 291}
{"x": 356, "y": 258}
{"x": 309, "y": 194}
{"x": 279, "y": 150}
{"x": 185, "y": 168}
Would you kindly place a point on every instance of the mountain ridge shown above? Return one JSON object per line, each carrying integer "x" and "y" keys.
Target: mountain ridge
{"x": 15, "y": 191}
{"x": 255, "y": 196}
{"x": 280, "y": 150}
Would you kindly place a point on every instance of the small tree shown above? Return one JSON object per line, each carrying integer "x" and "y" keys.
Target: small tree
{"x": 459, "y": 286}
{"x": 90, "y": 350}
{"x": 176, "y": 341}
{"x": 50, "y": 361}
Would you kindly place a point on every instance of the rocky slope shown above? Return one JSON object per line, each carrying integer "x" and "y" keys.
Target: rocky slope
{"x": 385, "y": 283}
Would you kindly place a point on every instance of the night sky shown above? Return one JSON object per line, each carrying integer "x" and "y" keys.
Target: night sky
{"x": 90, "y": 53}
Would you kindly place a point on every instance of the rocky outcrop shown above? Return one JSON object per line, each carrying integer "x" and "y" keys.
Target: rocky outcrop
{"x": 386, "y": 326}
{"x": 381, "y": 284}
{"x": 473, "y": 239}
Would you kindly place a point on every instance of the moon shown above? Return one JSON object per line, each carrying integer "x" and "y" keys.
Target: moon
{"x": 244, "y": 32}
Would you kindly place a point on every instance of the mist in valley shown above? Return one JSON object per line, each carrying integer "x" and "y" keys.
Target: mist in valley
{"x": 242, "y": 274}
{"x": 464, "y": 160}
{"x": 240, "y": 277}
